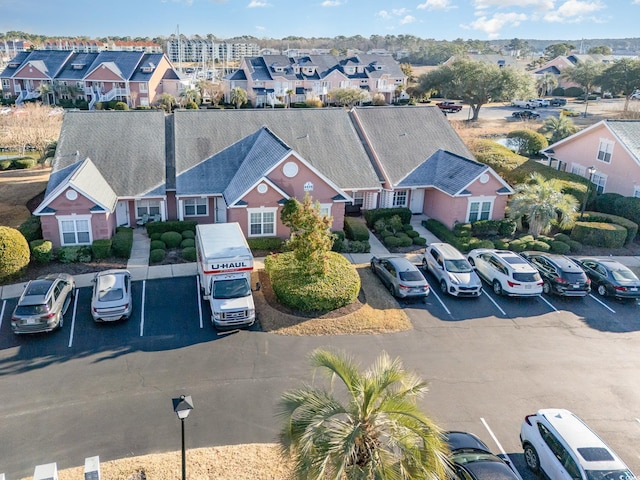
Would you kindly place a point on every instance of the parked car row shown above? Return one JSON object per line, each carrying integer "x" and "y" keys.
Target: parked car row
{"x": 525, "y": 114}
{"x": 45, "y": 301}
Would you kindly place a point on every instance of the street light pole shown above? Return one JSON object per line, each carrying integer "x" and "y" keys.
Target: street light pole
{"x": 591, "y": 171}
{"x": 183, "y": 406}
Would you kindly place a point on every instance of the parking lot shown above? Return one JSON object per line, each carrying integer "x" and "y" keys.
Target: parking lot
{"x": 489, "y": 362}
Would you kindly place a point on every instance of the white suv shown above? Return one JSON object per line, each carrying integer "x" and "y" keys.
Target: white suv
{"x": 507, "y": 272}
{"x": 561, "y": 445}
{"x": 453, "y": 272}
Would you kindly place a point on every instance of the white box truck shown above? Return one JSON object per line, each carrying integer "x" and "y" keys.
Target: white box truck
{"x": 225, "y": 264}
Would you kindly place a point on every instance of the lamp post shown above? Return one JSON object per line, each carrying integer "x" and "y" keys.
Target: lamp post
{"x": 591, "y": 171}
{"x": 183, "y": 406}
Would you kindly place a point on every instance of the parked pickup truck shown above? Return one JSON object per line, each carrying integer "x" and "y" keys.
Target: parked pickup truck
{"x": 449, "y": 107}
{"x": 524, "y": 103}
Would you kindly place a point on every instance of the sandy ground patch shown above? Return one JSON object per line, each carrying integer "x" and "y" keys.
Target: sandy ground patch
{"x": 17, "y": 187}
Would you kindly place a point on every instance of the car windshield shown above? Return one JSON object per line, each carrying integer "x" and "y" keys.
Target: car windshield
{"x": 38, "y": 287}
{"x": 30, "y": 310}
{"x": 526, "y": 276}
{"x": 224, "y": 289}
{"x": 574, "y": 277}
{"x": 411, "y": 276}
{"x": 609, "y": 475}
{"x": 624, "y": 275}
{"x": 457, "y": 266}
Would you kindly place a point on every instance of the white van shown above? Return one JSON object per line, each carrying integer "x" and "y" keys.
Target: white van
{"x": 454, "y": 273}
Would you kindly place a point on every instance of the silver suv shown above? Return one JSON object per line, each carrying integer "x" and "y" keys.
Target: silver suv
{"x": 454, "y": 273}
{"x": 558, "y": 443}
{"x": 43, "y": 303}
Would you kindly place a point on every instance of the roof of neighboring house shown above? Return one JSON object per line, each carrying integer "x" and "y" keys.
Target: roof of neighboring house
{"x": 68, "y": 72}
{"x": 324, "y": 137}
{"x": 127, "y": 147}
{"x": 49, "y": 62}
{"x": 122, "y": 63}
{"x": 402, "y": 138}
{"x": 148, "y": 61}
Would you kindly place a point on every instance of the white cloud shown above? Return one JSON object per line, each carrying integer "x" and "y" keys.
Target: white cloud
{"x": 636, "y": 2}
{"x": 407, "y": 19}
{"x": 492, "y": 25}
{"x": 536, "y": 4}
{"x": 437, "y": 5}
{"x": 260, "y": 28}
{"x": 331, "y": 3}
{"x": 573, "y": 11}
{"x": 383, "y": 14}
{"x": 257, "y": 4}
{"x": 399, "y": 11}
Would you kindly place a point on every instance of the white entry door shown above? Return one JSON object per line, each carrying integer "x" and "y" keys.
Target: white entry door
{"x": 122, "y": 214}
{"x": 417, "y": 201}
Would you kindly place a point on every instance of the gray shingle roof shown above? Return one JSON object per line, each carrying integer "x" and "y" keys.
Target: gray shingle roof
{"x": 404, "y": 137}
{"x": 127, "y": 147}
{"x": 49, "y": 61}
{"x": 628, "y": 131}
{"x": 324, "y": 137}
{"x": 68, "y": 72}
{"x": 18, "y": 59}
{"x": 124, "y": 62}
{"x": 150, "y": 60}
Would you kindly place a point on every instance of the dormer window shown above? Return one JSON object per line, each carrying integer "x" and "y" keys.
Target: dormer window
{"x": 148, "y": 68}
{"x": 77, "y": 66}
{"x": 14, "y": 65}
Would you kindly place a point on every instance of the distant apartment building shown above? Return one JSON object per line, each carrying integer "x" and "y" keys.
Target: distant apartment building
{"x": 11, "y": 48}
{"x": 206, "y": 50}
{"x": 95, "y": 46}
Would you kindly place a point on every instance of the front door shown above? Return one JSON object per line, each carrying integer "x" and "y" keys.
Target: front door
{"x": 122, "y": 214}
{"x": 416, "y": 203}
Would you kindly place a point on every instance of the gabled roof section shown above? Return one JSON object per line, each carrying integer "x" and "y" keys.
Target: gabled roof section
{"x": 127, "y": 147}
{"x": 400, "y": 138}
{"x": 85, "y": 178}
{"x": 147, "y": 67}
{"x": 14, "y": 64}
{"x": 49, "y": 62}
{"x": 628, "y": 132}
{"x": 77, "y": 66}
{"x": 122, "y": 63}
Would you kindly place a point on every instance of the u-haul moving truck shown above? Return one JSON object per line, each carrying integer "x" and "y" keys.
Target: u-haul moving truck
{"x": 225, "y": 264}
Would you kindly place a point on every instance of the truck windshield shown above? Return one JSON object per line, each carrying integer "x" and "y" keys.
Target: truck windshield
{"x": 236, "y": 288}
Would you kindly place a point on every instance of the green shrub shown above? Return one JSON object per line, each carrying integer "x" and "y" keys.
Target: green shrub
{"x": 478, "y": 243}
{"x": 562, "y": 237}
{"x": 75, "y": 254}
{"x": 266, "y": 244}
{"x": 631, "y": 226}
{"x": 386, "y": 233}
{"x": 14, "y": 252}
{"x": 354, "y": 229}
{"x": 122, "y": 242}
{"x": 121, "y": 106}
{"x": 545, "y": 239}
{"x": 485, "y": 228}
{"x": 462, "y": 229}
{"x": 41, "y": 251}
{"x": 459, "y": 237}
{"x": 155, "y": 236}
{"x": 419, "y": 241}
{"x": 539, "y": 246}
{"x": 518, "y": 245}
{"x": 188, "y": 242}
{"x": 529, "y": 142}
{"x": 101, "y": 248}
{"x": 339, "y": 234}
{"x": 31, "y": 228}
{"x": 574, "y": 246}
{"x": 372, "y": 216}
{"x": 157, "y": 255}
{"x": 402, "y": 235}
{"x": 23, "y": 163}
{"x": 496, "y": 156}
{"x": 606, "y": 202}
{"x": 412, "y": 234}
{"x": 501, "y": 244}
{"x": 158, "y": 245}
{"x": 526, "y": 238}
{"x": 629, "y": 208}
{"x": 507, "y": 227}
{"x": 407, "y": 227}
{"x": 5, "y": 164}
{"x": 338, "y": 244}
{"x": 560, "y": 247}
{"x": 188, "y": 234}
{"x": 405, "y": 241}
{"x": 172, "y": 226}
{"x": 558, "y": 92}
{"x": 339, "y": 286}
{"x": 392, "y": 241}
{"x": 189, "y": 253}
{"x": 171, "y": 239}
{"x": 599, "y": 234}
{"x": 356, "y": 246}
{"x": 573, "y": 91}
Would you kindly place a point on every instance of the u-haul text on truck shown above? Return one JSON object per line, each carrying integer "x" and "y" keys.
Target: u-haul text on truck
{"x": 225, "y": 263}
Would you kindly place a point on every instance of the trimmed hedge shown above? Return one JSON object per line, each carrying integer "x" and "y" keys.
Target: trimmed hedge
{"x": 356, "y": 246}
{"x": 560, "y": 247}
{"x": 354, "y": 229}
{"x": 574, "y": 246}
{"x": 632, "y": 227}
{"x": 189, "y": 254}
{"x": 606, "y": 202}
{"x": 76, "y": 254}
{"x": 31, "y": 228}
{"x": 337, "y": 287}
{"x": 392, "y": 241}
{"x": 628, "y": 207}
{"x": 188, "y": 234}
{"x": 496, "y": 156}
{"x": 157, "y": 245}
{"x": 485, "y": 228}
{"x": 371, "y": 216}
{"x": 599, "y": 234}
{"x": 419, "y": 241}
{"x": 156, "y": 256}
{"x": 24, "y": 163}
{"x": 188, "y": 243}
{"x": 562, "y": 237}
{"x": 155, "y": 236}
{"x": 171, "y": 239}
{"x": 101, "y": 248}
{"x": 41, "y": 251}
{"x": 266, "y": 244}
{"x": 5, "y": 164}
{"x": 172, "y": 226}
{"x": 122, "y": 242}
{"x": 539, "y": 246}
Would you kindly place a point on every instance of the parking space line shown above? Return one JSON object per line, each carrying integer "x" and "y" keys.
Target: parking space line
{"x": 441, "y": 302}
{"x": 638, "y": 420}
{"x": 199, "y": 299}
{"x": 548, "y": 303}
{"x": 144, "y": 286}
{"x": 73, "y": 318}
{"x": 4, "y": 304}
{"x": 603, "y": 304}
{"x": 502, "y": 452}
{"x": 493, "y": 301}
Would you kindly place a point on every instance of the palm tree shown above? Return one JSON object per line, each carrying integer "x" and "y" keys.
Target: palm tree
{"x": 586, "y": 74}
{"x": 238, "y": 97}
{"x": 44, "y": 89}
{"x": 559, "y": 128}
{"x": 541, "y": 203}
{"x": 546, "y": 84}
{"x": 374, "y": 430}
{"x": 189, "y": 95}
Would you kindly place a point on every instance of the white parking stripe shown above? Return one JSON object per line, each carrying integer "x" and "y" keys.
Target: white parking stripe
{"x": 441, "y": 302}
{"x": 493, "y": 301}
{"x": 638, "y": 420}
{"x": 73, "y": 318}
{"x": 199, "y": 299}
{"x": 4, "y": 304}
{"x": 144, "y": 287}
{"x": 603, "y": 304}
{"x": 547, "y": 302}
{"x": 502, "y": 452}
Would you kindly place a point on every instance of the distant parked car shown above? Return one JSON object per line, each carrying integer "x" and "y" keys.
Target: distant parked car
{"x": 610, "y": 277}
{"x": 400, "y": 276}
{"x": 540, "y": 102}
{"x": 472, "y": 459}
{"x": 43, "y": 303}
{"x": 561, "y": 275}
{"x": 453, "y": 272}
{"x": 507, "y": 272}
{"x": 558, "y": 102}
{"x": 569, "y": 113}
{"x": 111, "y": 298}
{"x": 525, "y": 114}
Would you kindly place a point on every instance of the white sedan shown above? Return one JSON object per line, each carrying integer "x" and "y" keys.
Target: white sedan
{"x": 111, "y": 299}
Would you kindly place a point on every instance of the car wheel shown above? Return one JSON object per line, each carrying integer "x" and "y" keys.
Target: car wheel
{"x": 373, "y": 269}
{"x": 60, "y": 322}
{"x": 531, "y": 457}
{"x": 392, "y": 291}
{"x": 602, "y": 290}
{"x": 546, "y": 287}
{"x": 425, "y": 267}
{"x": 443, "y": 286}
{"x": 497, "y": 288}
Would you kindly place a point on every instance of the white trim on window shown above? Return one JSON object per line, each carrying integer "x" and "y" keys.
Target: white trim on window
{"x": 325, "y": 209}
{"x": 261, "y": 221}
{"x": 144, "y": 87}
{"x": 150, "y": 207}
{"x": 579, "y": 169}
{"x": 75, "y": 230}
{"x": 605, "y": 150}
{"x": 600, "y": 181}
{"x": 479, "y": 208}
{"x": 400, "y": 198}
{"x": 195, "y": 207}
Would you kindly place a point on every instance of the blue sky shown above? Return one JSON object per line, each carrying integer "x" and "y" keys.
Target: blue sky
{"x": 439, "y": 19}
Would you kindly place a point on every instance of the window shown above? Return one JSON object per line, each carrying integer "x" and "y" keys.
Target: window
{"x": 144, "y": 88}
{"x": 599, "y": 181}
{"x": 578, "y": 169}
{"x": 479, "y": 210}
{"x": 400, "y": 198}
{"x": 5, "y": 82}
{"x": 325, "y": 209}
{"x": 604, "y": 151}
{"x": 262, "y": 222}
{"x": 75, "y": 230}
{"x": 150, "y": 207}
{"x": 195, "y": 207}
{"x": 358, "y": 198}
